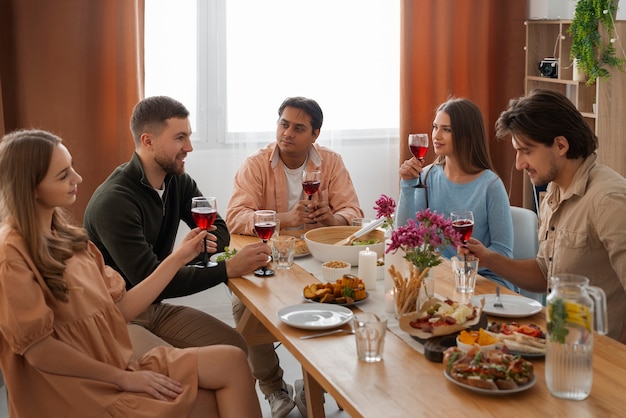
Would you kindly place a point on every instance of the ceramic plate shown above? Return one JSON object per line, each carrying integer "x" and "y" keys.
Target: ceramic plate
{"x": 358, "y": 302}
{"x": 515, "y": 306}
{"x": 315, "y": 315}
{"x": 301, "y": 249}
{"x": 214, "y": 256}
{"x": 498, "y": 392}
{"x": 526, "y": 355}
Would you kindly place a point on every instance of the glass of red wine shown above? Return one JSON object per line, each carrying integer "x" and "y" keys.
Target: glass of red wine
{"x": 418, "y": 144}
{"x": 311, "y": 181}
{"x": 204, "y": 212}
{"x": 264, "y": 226}
{"x": 463, "y": 223}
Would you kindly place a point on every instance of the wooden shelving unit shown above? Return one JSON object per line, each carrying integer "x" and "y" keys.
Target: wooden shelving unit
{"x": 603, "y": 104}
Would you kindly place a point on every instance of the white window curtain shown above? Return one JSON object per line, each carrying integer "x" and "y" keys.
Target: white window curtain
{"x": 232, "y": 62}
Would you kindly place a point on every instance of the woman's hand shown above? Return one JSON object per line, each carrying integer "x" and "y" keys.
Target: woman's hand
{"x": 193, "y": 244}
{"x": 410, "y": 169}
{"x": 154, "y": 384}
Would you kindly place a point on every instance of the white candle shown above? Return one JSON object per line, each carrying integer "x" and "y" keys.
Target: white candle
{"x": 393, "y": 259}
{"x": 367, "y": 268}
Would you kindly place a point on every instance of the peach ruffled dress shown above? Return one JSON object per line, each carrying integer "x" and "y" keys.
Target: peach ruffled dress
{"x": 92, "y": 324}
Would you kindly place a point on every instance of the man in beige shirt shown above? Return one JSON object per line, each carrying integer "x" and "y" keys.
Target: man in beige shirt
{"x": 582, "y": 227}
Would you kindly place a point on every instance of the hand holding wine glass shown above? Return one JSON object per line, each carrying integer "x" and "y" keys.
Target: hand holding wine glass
{"x": 418, "y": 144}
{"x": 264, "y": 225}
{"x": 311, "y": 181}
{"x": 204, "y": 212}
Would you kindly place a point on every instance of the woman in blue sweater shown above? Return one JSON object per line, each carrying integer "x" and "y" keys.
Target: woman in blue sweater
{"x": 461, "y": 178}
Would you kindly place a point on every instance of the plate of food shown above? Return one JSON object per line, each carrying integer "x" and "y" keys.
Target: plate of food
{"x": 439, "y": 317}
{"x": 492, "y": 373}
{"x": 528, "y": 341}
{"x": 514, "y": 306}
{"x": 349, "y": 290}
{"x": 315, "y": 316}
{"x": 224, "y": 255}
{"x": 342, "y": 302}
{"x": 301, "y": 249}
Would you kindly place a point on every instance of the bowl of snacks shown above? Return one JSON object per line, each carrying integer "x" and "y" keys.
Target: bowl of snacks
{"x": 467, "y": 339}
{"x": 335, "y": 269}
{"x": 322, "y": 243}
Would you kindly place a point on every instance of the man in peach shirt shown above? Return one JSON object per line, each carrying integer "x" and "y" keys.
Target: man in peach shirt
{"x": 271, "y": 178}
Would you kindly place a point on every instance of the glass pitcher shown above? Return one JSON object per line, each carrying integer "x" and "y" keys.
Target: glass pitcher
{"x": 571, "y": 307}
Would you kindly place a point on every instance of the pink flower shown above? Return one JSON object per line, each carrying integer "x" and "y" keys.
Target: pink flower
{"x": 424, "y": 237}
{"x": 385, "y": 206}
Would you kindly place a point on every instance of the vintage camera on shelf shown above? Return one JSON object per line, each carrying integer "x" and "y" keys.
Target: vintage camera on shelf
{"x": 548, "y": 67}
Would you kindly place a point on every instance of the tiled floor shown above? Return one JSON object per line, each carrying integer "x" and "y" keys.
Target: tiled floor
{"x": 216, "y": 301}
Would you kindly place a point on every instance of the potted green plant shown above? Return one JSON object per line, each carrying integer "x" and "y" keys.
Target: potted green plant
{"x": 592, "y": 54}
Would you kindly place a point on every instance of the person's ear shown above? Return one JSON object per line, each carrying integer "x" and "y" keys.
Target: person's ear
{"x": 562, "y": 145}
{"x": 146, "y": 140}
{"x": 316, "y": 133}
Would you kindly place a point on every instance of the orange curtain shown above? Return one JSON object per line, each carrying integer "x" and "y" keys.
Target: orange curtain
{"x": 472, "y": 49}
{"x": 75, "y": 68}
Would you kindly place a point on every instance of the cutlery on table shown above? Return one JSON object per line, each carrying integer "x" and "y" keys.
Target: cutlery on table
{"x": 497, "y": 303}
{"x": 323, "y": 334}
{"x": 364, "y": 230}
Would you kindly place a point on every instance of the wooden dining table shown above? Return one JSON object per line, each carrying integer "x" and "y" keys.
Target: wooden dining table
{"x": 405, "y": 383}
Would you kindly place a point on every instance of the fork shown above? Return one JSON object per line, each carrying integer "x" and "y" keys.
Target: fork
{"x": 497, "y": 303}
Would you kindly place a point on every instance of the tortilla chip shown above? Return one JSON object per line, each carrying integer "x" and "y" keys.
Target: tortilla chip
{"x": 405, "y": 322}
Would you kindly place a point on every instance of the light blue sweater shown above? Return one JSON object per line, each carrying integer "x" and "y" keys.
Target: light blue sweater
{"x": 485, "y": 196}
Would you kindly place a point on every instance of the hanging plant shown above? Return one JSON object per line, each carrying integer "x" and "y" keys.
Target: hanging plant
{"x": 592, "y": 56}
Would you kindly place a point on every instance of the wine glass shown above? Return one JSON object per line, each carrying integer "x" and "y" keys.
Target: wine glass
{"x": 204, "y": 212}
{"x": 463, "y": 223}
{"x": 418, "y": 144}
{"x": 264, "y": 226}
{"x": 311, "y": 181}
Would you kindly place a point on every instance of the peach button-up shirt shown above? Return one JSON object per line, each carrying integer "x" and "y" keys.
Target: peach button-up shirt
{"x": 261, "y": 183}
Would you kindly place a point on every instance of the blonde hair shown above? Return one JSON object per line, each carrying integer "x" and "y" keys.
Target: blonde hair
{"x": 24, "y": 161}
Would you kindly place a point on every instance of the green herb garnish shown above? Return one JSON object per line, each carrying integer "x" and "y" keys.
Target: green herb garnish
{"x": 228, "y": 253}
{"x": 557, "y": 321}
{"x": 365, "y": 242}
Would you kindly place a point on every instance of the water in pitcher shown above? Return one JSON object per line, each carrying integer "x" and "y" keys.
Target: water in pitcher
{"x": 572, "y": 306}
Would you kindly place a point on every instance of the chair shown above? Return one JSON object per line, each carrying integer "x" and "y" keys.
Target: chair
{"x": 525, "y": 241}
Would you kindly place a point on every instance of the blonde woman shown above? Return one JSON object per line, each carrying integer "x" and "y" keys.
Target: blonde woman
{"x": 63, "y": 334}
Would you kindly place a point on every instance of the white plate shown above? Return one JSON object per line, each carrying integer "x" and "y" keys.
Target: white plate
{"x": 498, "y": 392}
{"x": 214, "y": 256}
{"x": 315, "y": 316}
{"x": 515, "y": 306}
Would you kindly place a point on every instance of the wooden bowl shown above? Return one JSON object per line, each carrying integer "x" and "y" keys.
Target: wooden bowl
{"x": 321, "y": 243}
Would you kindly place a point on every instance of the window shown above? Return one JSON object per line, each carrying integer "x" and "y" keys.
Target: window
{"x": 232, "y": 62}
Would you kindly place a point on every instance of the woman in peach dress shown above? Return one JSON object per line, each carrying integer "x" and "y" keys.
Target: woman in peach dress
{"x": 64, "y": 346}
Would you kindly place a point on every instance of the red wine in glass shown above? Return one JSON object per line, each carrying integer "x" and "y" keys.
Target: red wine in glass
{"x": 418, "y": 144}
{"x": 311, "y": 180}
{"x": 463, "y": 227}
{"x": 264, "y": 226}
{"x": 265, "y": 230}
{"x": 463, "y": 223}
{"x": 204, "y": 217}
{"x": 418, "y": 151}
{"x": 204, "y": 212}
{"x": 310, "y": 187}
